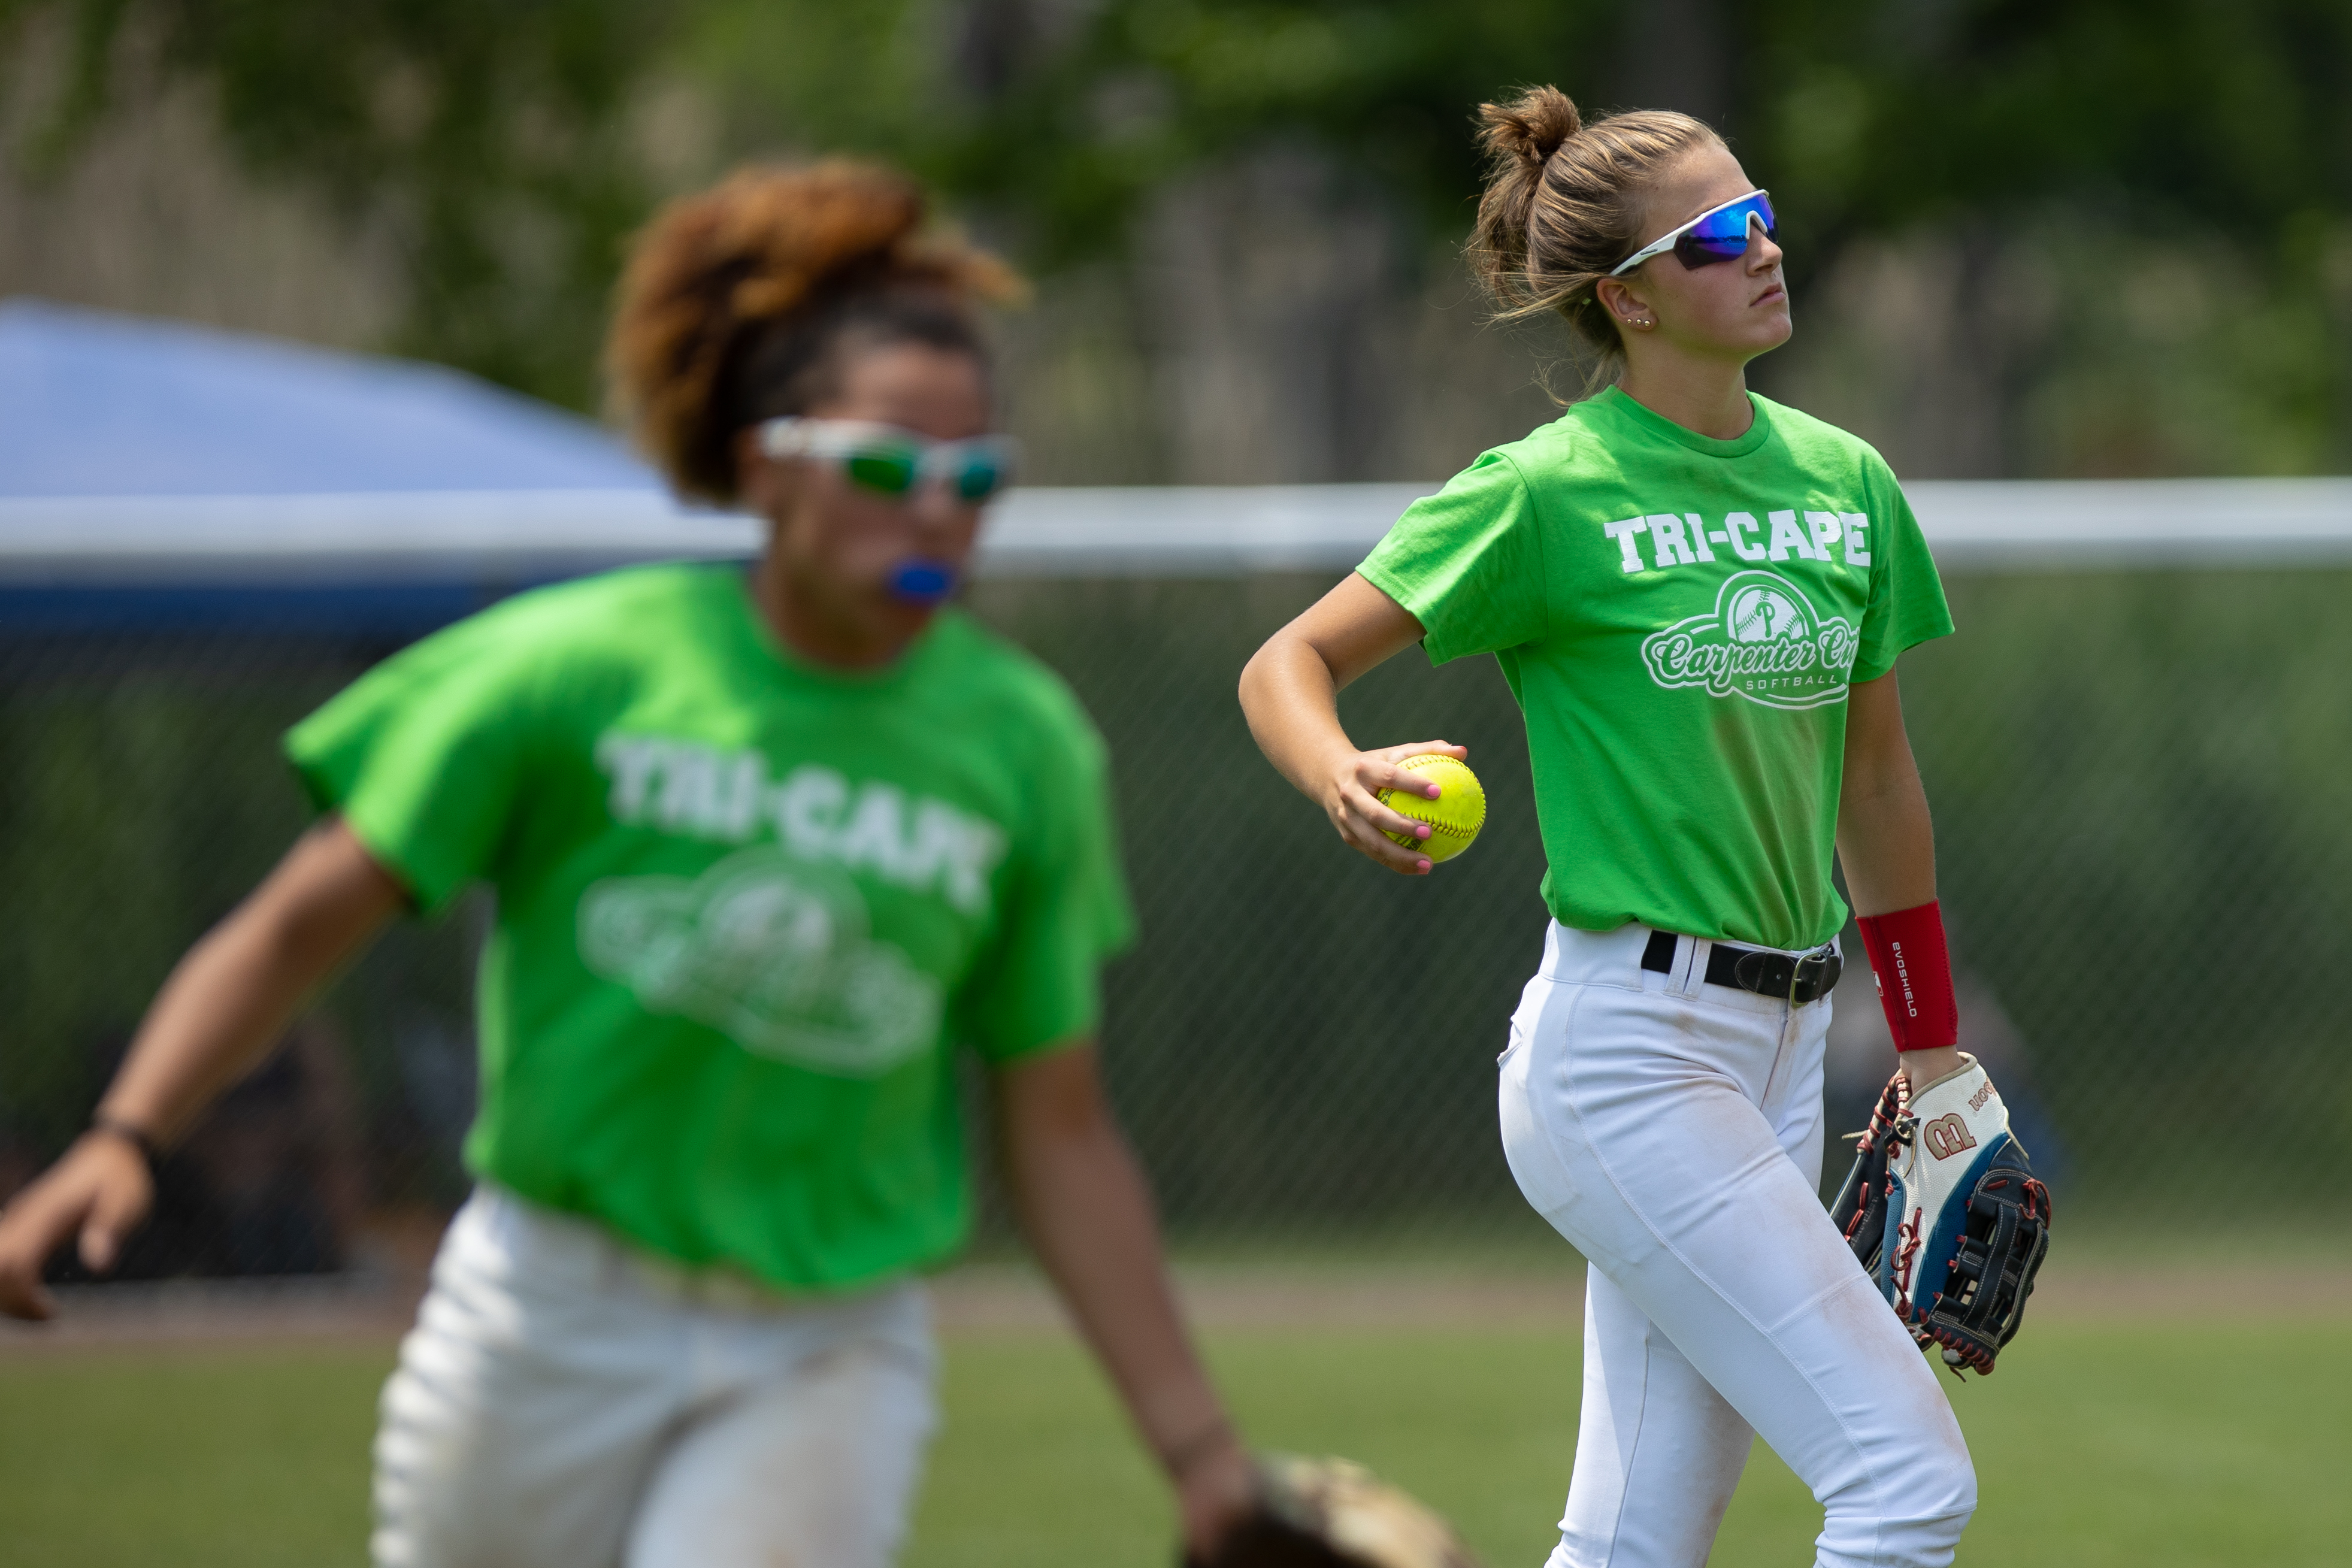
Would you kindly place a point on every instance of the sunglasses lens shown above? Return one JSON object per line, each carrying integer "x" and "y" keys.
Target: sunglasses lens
{"x": 977, "y": 478}
{"x": 1723, "y": 235}
{"x": 883, "y": 472}
{"x": 1692, "y": 251}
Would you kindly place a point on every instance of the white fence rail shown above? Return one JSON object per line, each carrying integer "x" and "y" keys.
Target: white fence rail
{"x": 1177, "y": 531}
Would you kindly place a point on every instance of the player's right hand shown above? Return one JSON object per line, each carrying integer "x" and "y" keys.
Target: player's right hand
{"x": 1351, "y": 799}
{"x": 100, "y": 1189}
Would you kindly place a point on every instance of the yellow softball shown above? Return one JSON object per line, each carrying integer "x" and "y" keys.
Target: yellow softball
{"x": 1454, "y": 817}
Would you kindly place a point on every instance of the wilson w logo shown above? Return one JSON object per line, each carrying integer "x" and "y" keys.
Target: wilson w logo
{"x": 1947, "y": 1136}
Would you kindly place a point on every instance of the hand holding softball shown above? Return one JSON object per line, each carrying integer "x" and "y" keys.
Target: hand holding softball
{"x": 1369, "y": 793}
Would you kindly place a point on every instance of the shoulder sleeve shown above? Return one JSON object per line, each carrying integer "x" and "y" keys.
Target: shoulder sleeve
{"x": 1065, "y": 908}
{"x": 1468, "y": 563}
{"x": 425, "y": 754}
{"x": 1907, "y": 596}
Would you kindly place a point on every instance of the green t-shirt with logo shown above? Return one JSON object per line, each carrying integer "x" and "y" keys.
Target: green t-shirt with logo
{"x": 746, "y": 907}
{"x": 1679, "y": 619}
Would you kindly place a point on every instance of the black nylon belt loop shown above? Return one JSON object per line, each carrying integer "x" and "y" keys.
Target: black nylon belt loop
{"x": 1802, "y": 979}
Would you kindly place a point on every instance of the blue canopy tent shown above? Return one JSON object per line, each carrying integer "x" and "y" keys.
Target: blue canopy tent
{"x": 156, "y": 473}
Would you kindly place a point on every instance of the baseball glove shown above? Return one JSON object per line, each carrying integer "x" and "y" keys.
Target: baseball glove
{"x": 1330, "y": 1513}
{"x": 1942, "y": 1210}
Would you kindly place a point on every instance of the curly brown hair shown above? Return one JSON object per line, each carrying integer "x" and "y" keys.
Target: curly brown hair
{"x": 739, "y": 303}
{"x": 1562, "y": 201}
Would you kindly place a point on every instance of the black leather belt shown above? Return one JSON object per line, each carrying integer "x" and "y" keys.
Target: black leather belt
{"x": 1802, "y": 978}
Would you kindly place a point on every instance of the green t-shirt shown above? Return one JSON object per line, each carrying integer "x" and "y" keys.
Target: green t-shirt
{"x": 1679, "y": 619}
{"x": 746, "y": 907}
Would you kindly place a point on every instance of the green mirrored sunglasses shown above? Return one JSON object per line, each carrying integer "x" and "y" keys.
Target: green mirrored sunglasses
{"x": 889, "y": 460}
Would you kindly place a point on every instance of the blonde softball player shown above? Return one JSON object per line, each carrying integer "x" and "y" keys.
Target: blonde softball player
{"x": 766, "y": 846}
{"x": 1698, "y": 597}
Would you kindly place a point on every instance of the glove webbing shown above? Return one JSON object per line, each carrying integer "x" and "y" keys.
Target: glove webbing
{"x": 2009, "y": 1226}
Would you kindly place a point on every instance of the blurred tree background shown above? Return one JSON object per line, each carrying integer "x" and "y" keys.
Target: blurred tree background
{"x": 2071, "y": 239}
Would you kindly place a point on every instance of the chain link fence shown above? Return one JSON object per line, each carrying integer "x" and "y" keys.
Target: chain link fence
{"x": 2139, "y": 780}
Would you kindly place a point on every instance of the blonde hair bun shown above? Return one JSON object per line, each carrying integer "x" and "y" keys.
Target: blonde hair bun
{"x": 1563, "y": 202}
{"x": 1530, "y": 128}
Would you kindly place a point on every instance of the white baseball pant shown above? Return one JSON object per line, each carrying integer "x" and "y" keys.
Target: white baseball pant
{"x": 1672, "y": 1131}
{"x": 564, "y": 1402}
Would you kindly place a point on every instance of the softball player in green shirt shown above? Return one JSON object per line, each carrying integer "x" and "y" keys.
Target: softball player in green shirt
{"x": 1698, "y": 597}
{"x": 767, "y": 849}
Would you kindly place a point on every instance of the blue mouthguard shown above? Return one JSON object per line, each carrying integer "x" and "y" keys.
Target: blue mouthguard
{"x": 922, "y": 582}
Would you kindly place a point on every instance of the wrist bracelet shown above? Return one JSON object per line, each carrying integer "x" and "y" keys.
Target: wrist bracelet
{"x": 138, "y": 1137}
{"x": 1181, "y": 1457}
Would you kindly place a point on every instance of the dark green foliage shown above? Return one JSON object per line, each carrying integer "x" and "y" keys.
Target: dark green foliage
{"x": 498, "y": 145}
{"x": 143, "y": 794}
{"x": 2138, "y": 786}
{"x": 488, "y": 141}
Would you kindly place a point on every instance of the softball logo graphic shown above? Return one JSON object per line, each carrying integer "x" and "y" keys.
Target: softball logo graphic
{"x": 1760, "y": 615}
{"x": 771, "y": 950}
{"x": 1763, "y": 641}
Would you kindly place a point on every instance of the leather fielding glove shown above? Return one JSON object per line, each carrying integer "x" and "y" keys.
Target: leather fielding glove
{"x": 1943, "y": 1209}
{"x": 1332, "y": 1514}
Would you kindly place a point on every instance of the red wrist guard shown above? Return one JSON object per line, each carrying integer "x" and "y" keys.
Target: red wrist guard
{"x": 1913, "y": 969}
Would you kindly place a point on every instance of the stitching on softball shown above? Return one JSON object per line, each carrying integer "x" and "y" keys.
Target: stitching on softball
{"x": 1436, "y": 829}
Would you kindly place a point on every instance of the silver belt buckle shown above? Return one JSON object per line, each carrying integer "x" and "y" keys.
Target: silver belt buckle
{"x": 1817, "y": 972}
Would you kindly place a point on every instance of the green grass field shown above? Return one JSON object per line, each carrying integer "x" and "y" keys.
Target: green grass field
{"x": 2165, "y": 1447}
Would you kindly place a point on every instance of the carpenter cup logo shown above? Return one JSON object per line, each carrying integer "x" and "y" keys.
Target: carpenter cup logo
{"x": 1947, "y": 1136}
{"x": 774, "y": 950}
{"x": 1762, "y": 641}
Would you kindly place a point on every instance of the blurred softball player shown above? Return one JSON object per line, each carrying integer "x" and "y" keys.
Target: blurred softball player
{"x": 766, "y": 846}
{"x": 1698, "y": 597}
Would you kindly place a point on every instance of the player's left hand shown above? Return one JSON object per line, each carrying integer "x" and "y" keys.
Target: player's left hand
{"x": 1943, "y": 1208}
{"x": 1919, "y": 1069}
{"x": 1330, "y": 1513}
{"x": 1215, "y": 1493}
